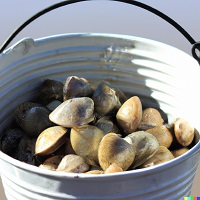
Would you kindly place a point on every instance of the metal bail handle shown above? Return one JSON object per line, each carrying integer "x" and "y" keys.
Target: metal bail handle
{"x": 195, "y": 47}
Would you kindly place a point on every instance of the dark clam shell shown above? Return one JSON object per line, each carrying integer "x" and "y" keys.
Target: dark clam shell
{"x": 51, "y": 90}
{"x": 105, "y": 100}
{"x": 33, "y": 118}
{"x": 76, "y": 87}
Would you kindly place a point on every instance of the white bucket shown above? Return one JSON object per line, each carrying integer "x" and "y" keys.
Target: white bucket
{"x": 163, "y": 76}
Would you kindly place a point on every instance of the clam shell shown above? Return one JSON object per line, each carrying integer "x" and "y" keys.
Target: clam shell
{"x": 73, "y": 112}
{"x": 50, "y": 140}
{"x": 85, "y": 141}
{"x": 161, "y": 156}
{"x": 144, "y": 144}
{"x": 178, "y": 152}
{"x": 151, "y": 117}
{"x": 162, "y": 134}
{"x": 107, "y": 125}
{"x": 184, "y": 132}
{"x": 114, "y": 149}
{"x": 130, "y": 114}
{"x": 33, "y": 118}
{"x": 52, "y": 162}
{"x": 51, "y": 90}
{"x": 76, "y": 87}
{"x": 73, "y": 163}
{"x": 105, "y": 100}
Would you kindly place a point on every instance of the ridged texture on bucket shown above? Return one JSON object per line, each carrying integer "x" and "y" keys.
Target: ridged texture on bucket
{"x": 154, "y": 185}
{"x": 162, "y": 76}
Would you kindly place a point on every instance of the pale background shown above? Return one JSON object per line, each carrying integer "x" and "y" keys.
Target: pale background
{"x": 105, "y": 17}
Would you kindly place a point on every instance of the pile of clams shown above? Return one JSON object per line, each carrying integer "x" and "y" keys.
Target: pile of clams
{"x": 87, "y": 126}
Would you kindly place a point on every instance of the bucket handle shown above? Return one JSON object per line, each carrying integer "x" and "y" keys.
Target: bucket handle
{"x": 195, "y": 45}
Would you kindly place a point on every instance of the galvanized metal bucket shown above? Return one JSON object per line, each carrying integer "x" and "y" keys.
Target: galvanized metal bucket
{"x": 152, "y": 70}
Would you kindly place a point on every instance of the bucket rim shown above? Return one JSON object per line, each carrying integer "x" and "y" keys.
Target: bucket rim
{"x": 48, "y": 38}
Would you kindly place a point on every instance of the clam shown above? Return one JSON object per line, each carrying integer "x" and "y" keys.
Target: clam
{"x": 151, "y": 117}
{"x": 73, "y": 112}
{"x": 113, "y": 168}
{"x": 161, "y": 156}
{"x": 33, "y": 118}
{"x": 76, "y": 87}
{"x": 162, "y": 134}
{"x": 105, "y": 100}
{"x": 94, "y": 84}
{"x": 144, "y": 144}
{"x": 73, "y": 163}
{"x": 184, "y": 132}
{"x": 178, "y": 152}
{"x": 107, "y": 125}
{"x": 51, "y": 90}
{"x": 85, "y": 142}
{"x": 50, "y": 140}
{"x": 114, "y": 149}
{"x": 130, "y": 114}
{"x": 52, "y": 162}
